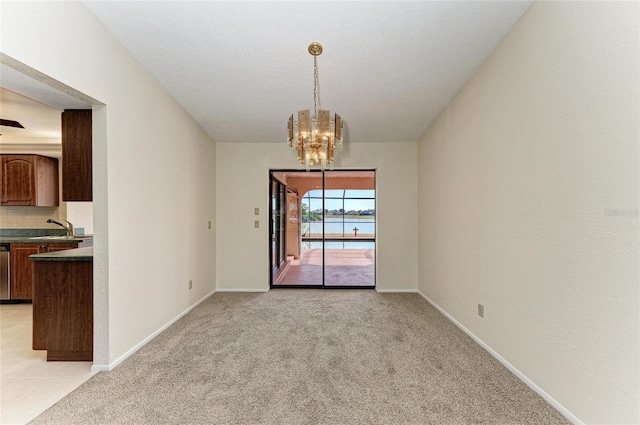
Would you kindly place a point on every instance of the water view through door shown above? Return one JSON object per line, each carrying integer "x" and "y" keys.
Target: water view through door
{"x": 327, "y": 222}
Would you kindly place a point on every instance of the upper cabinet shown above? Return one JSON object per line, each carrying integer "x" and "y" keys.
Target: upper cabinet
{"x": 29, "y": 180}
{"x": 77, "y": 178}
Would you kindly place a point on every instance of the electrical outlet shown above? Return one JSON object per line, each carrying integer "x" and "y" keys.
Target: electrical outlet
{"x": 209, "y": 224}
{"x": 256, "y": 211}
{"x": 256, "y": 224}
{"x": 190, "y": 284}
{"x": 480, "y": 310}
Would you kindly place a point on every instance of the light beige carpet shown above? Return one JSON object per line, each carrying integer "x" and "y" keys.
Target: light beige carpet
{"x": 307, "y": 357}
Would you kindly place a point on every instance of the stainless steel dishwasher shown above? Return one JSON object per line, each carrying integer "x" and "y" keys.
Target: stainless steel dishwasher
{"x": 5, "y": 291}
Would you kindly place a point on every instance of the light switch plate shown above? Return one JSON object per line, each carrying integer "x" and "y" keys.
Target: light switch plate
{"x": 256, "y": 224}
{"x": 256, "y": 211}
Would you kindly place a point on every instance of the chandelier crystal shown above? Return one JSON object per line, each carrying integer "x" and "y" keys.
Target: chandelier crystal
{"x": 316, "y": 139}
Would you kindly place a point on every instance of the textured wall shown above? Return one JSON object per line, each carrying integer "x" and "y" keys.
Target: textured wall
{"x": 528, "y": 204}
{"x": 243, "y": 176}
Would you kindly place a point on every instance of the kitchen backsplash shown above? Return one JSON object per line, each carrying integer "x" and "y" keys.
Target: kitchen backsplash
{"x": 28, "y": 217}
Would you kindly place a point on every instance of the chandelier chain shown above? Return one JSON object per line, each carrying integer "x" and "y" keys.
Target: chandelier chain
{"x": 315, "y": 87}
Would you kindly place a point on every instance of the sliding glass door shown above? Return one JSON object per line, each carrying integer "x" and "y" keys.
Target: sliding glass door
{"x": 330, "y": 229}
{"x": 350, "y": 229}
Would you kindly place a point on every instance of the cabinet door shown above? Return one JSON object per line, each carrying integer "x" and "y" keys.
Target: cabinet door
{"x": 47, "y": 181}
{"x": 21, "y": 271}
{"x": 29, "y": 180}
{"x": 22, "y": 268}
{"x": 18, "y": 180}
{"x": 77, "y": 155}
{"x": 42, "y": 296}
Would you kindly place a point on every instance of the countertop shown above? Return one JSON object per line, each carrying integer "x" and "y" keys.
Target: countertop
{"x": 76, "y": 254}
{"x": 39, "y": 236}
{"x": 43, "y": 239}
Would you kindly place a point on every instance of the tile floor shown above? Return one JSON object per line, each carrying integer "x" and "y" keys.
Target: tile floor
{"x": 28, "y": 383}
{"x": 342, "y": 267}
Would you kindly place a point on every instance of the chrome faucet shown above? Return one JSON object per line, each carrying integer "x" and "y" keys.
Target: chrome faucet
{"x": 68, "y": 228}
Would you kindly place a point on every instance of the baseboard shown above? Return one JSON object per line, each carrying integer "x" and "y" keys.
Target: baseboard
{"x": 112, "y": 365}
{"x": 559, "y": 407}
{"x": 391, "y": 291}
{"x": 242, "y": 290}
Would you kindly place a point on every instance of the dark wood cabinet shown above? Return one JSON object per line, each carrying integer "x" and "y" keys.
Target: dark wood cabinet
{"x": 77, "y": 180}
{"x": 21, "y": 273}
{"x": 63, "y": 309}
{"x": 21, "y": 268}
{"x": 29, "y": 180}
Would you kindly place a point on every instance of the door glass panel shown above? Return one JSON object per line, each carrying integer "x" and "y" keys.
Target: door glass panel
{"x": 282, "y": 215}
{"x": 277, "y": 225}
{"x": 303, "y": 218}
{"x": 330, "y": 222}
{"x": 272, "y": 227}
{"x": 350, "y": 229}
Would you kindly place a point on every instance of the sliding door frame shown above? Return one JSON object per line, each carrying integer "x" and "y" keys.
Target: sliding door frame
{"x": 322, "y": 285}
{"x": 277, "y": 229}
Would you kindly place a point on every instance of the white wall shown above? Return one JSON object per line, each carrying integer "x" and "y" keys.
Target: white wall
{"x": 81, "y": 215}
{"x": 243, "y": 184}
{"x": 528, "y": 204}
{"x": 154, "y": 174}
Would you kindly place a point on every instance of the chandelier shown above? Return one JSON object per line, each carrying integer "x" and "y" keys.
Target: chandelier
{"x": 315, "y": 139}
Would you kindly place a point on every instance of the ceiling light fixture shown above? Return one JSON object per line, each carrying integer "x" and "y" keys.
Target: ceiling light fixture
{"x": 316, "y": 139}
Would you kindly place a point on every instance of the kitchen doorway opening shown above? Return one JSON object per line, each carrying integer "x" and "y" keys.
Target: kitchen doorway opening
{"x": 322, "y": 229}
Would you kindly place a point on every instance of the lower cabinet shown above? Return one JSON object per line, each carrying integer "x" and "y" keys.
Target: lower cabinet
{"x": 22, "y": 269}
{"x": 63, "y": 309}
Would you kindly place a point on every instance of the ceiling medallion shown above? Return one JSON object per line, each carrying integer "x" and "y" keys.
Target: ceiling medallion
{"x": 315, "y": 139}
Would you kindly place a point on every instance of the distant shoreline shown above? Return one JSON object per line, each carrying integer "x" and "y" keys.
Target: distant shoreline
{"x": 357, "y": 217}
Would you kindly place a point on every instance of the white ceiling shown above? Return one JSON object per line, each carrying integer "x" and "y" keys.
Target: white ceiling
{"x": 241, "y": 68}
{"x": 41, "y": 122}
